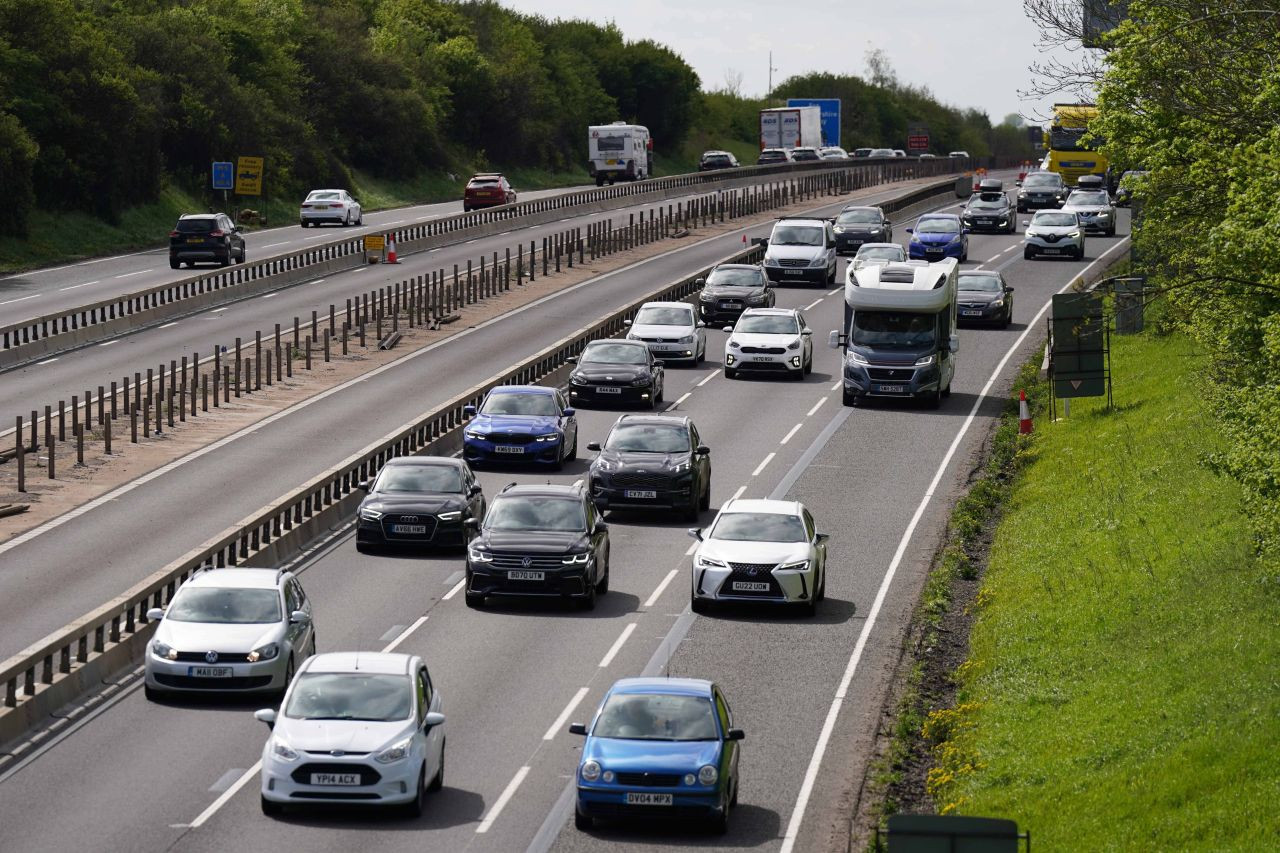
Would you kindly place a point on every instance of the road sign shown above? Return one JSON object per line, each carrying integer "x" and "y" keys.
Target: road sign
{"x": 223, "y": 175}
{"x": 921, "y": 833}
{"x": 249, "y": 176}
{"x": 830, "y": 116}
{"x": 374, "y": 241}
{"x": 1080, "y": 359}
{"x": 918, "y": 137}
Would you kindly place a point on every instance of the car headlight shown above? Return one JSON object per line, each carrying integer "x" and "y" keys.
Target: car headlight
{"x": 630, "y": 336}
{"x": 687, "y": 339}
{"x": 161, "y": 650}
{"x": 706, "y": 297}
{"x": 455, "y": 515}
{"x": 1074, "y": 235}
{"x": 839, "y": 229}
{"x": 997, "y": 302}
{"x": 794, "y": 344}
{"x": 590, "y": 770}
{"x": 640, "y": 381}
{"x": 734, "y": 344}
{"x": 818, "y": 262}
{"x": 1104, "y": 215}
{"x": 479, "y": 555}
{"x": 579, "y": 559}
{"x": 794, "y": 566}
{"x": 576, "y": 379}
{"x": 956, "y": 238}
{"x": 708, "y": 774}
{"x": 476, "y": 435}
{"x": 1031, "y": 233}
{"x": 770, "y": 262}
{"x": 915, "y": 239}
{"x": 755, "y": 298}
{"x": 551, "y": 436}
{"x": 925, "y": 362}
{"x": 370, "y": 514}
{"x": 268, "y": 652}
{"x": 857, "y": 357}
{"x": 282, "y": 750}
{"x": 396, "y": 752}
{"x": 709, "y": 563}
{"x": 603, "y": 464}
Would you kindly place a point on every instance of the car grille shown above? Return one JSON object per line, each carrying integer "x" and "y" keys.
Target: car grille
{"x": 368, "y": 776}
{"x": 649, "y": 780}
{"x": 633, "y": 479}
{"x": 223, "y": 657}
{"x": 900, "y": 374}
{"x": 516, "y": 562}
{"x": 191, "y": 682}
{"x": 752, "y": 573}
{"x": 327, "y": 752}
{"x": 659, "y": 340}
{"x": 1050, "y": 238}
{"x": 428, "y": 521}
{"x": 510, "y": 438}
{"x": 793, "y": 262}
{"x": 765, "y": 350}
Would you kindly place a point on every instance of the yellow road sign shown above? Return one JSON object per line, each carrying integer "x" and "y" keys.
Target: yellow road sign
{"x": 248, "y": 176}
{"x": 374, "y": 241}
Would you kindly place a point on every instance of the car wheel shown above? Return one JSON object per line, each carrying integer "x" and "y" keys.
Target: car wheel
{"x": 734, "y": 802}
{"x": 932, "y": 400}
{"x": 573, "y": 451}
{"x": 588, "y": 601}
{"x": 269, "y": 808}
{"x": 798, "y": 375}
{"x": 808, "y": 365}
{"x": 822, "y": 594}
{"x": 1028, "y": 255}
{"x": 705, "y": 503}
{"x": 225, "y": 260}
{"x": 302, "y": 223}
{"x": 558, "y": 465}
{"x": 584, "y": 822}
{"x": 363, "y": 547}
{"x": 702, "y": 355}
{"x": 809, "y": 609}
{"x": 720, "y": 823}
{"x": 474, "y": 600}
{"x": 151, "y": 694}
{"x": 346, "y": 222}
{"x": 602, "y": 585}
{"x": 414, "y": 807}
{"x": 438, "y": 781}
{"x": 662, "y": 392}
{"x": 964, "y": 256}
{"x": 699, "y": 605}
{"x": 1008, "y": 318}
{"x": 730, "y": 373}
{"x": 173, "y": 265}
{"x": 360, "y": 218}
{"x": 288, "y": 676}
{"x": 240, "y": 257}
{"x": 849, "y": 399}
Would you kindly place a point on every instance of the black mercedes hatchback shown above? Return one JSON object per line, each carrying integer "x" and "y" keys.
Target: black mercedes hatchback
{"x": 652, "y": 462}
{"x": 419, "y": 501}
{"x": 615, "y": 371}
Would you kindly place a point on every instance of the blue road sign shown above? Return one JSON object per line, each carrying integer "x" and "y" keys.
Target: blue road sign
{"x": 830, "y": 116}
{"x": 224, "y": 176}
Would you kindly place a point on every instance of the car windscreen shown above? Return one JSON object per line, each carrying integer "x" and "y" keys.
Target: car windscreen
{"x": 880, "y": 253}
{"x": 640, "y": 716}
{"x": 797, "y": 235}
{"x": 716, "y": 158}
{"x": 350, "y": 696}
{"x": 615, "y": 354}
{"x": 758, "y": 527}
{"x": 197, "y": 226}
{"x": 808, "y": 154}
{"x": 419, "y": 478}
{"x": 736, "y": 277}
{"x": 882, "y": 152}
{"x": 664, "y": 316}
{"x": 937, "y": 226}
{"x": 864, "y": 217}
{"x": 225, "y": 606}
{"x": 518, "y": 512}
{"x": 892, "y": 329}
{"x": 768, "y": 324}
{"x": 988, "y": 204}
{"x": 986, "y": 283}
{"x": 1054, "y": 219}
{"x": 1089, "y": 198}
{"x": 1042, "y": 181}
{"x": 520, "y": 404}
{"x": 649, "y": 438}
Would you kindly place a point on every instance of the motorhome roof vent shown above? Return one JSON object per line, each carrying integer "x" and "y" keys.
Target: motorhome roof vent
{"x": 897, "y": 275}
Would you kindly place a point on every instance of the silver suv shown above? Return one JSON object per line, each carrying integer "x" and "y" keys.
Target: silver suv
{"x": 230, "y": 630}
{"x": 801, "y": 250}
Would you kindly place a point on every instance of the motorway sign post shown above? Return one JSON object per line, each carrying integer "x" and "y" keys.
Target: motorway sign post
{"x": 1079, "y": 348}
{"x": 830, "y": 116}
{"x": 223, "y": 172}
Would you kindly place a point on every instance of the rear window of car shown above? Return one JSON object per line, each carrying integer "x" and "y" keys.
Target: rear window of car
{"x": 197, "y": 226}
{"x": 324, "y": 196}
{"x": 484, "y": 182}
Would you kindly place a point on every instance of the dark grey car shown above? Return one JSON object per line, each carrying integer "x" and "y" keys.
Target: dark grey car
{"x": 984, "y": 297}
{"x": 205, "y": 237}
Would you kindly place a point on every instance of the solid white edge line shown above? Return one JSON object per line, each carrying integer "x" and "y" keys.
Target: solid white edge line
{"x": 828, "y": 725}
{"x": 617, "y": 645}
{"x": 760, "y": 467}
{"x": 836, "y": 387}
{"x": 456, "y": 589}
{"x": 506, "y": 795}
{"x": 816, "y": 406}
{"x": 109, "y": 343}
{"x": 795, "y": 429}
{"x": 692, "y": 548}
{"x": 662, "y": 586}
{"x": 558, "y": 725}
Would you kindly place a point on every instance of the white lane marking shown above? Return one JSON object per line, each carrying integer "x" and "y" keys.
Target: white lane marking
{"x": 48, "y": 360}
{"x": 226, "y": 779}
{"x": 558, "y": 725}
{"x": 455, "y": 577}
{"x": 167, "y": 325}
{"x": 404, "y": 635}
{"x": 617, "y": 645}
{"x": 709, "y": 377}
{"x": 219, "y": 310}
{"x": 828, "y": 725}
{"x": 456, "y": 589}
{"x": 816, "y": 406}
{"x": 318, "y": 281}
{"x": 393, "y": 631}
{"x": 19, "y": 299}
{"x": 795, "y": 429}
{"x": 657, "y": 593}
{"x": 315, "y": 237}
{"x": 268, "y": 296}
{"x": 272, "y": 245}
{"x": 109, "y": 343}
{"x": 836, "y": 387}
{"x": 813, "y": 303}
{"x": 77, "y": 286}
{"x": 760, "y": 467}
{"x": 738, "y": 493}
{"x": 135, "y": 272}
{"x": 393, "y": 222}
{"x": 506, "y": 795}
{"x": 692, "y": 548}
{"x": 684, "y": 397}
{"x": 834, "y": 292}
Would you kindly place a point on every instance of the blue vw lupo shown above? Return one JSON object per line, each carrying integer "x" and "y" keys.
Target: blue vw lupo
{"x": 659, "y": 747}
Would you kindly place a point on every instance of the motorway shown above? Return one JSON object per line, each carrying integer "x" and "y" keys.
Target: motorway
{"x": 51, "y": 289}
{"x": 181, "y": 775}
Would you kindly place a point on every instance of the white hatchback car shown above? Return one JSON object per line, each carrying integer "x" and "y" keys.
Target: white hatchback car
{"x": 337, "y": 206}
{"x": 671, "y": 330}
{"x": 769, "y": 340}
{"x": 1053, "y": 232}
{"x": 230, "y": 630}
{"x": 760, "y": 550}
{"x": 355, "y": 727}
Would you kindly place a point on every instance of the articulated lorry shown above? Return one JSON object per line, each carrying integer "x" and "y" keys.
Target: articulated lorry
{"x": 791, "y": 127}
{"x": 1066, "y": 152}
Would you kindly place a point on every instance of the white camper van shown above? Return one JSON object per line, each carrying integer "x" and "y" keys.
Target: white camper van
{"x": 900, "y": 331}
{"x": 619, "y": 152}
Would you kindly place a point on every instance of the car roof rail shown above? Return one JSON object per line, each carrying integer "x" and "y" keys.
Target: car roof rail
{"x": 508, "y": 486}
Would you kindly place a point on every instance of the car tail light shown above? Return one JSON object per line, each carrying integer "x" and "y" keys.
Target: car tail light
{"x": 217, "y": 233}
{"x": 175, "y": 234}
{"x": 306, "y": 204}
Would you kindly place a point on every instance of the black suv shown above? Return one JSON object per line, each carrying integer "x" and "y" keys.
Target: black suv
{"x": 544, "y": 541}
{"x": 205, "y": 237}
{"x": 858, "y": 224}
{"x": 652, "y": 462}
{"x": 1041, "y": 190}
{"x": 422, "y": 501}
{"x": 989, "y": 210}
{"x": 712, "y": 160}
{"x": 731, "y": 289}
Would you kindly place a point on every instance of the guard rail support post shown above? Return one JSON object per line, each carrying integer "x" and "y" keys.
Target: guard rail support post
{"x": 216, "y": 374}
{"x": 297, "y": 336}
{"x": 106, "y": 437}
{"x": 332, "y": 328}
{"x": 239, "y": 367}
{"x": 346, "y": 331}
{"x": 577, "y": 232}
{"x": 557, "y": 240}
{"x": 533, "y": 261}
{"x": 62, "y": 421}
{"x": 79, "y": 450}
{"x": 544, "y": 257}
{"x": 348, "y": 311}
{"x": 308, "y": 346}
{"x": 506, "y": 270}
{"x": 169, "y": 402}
{"x": 159, "y": 427}
{"x": 314, "y": 323}
{"x": 49, "y": 446}
{"x": 182, "y": 400}
{"x": 204, "y": 392}
{"x": 146, "y": 417}
{"x": 519, "y": 264}
{"x": 115, "y": 413}
{"x": 362, "y": 343}
{"x": 257, "y": 361}
{"x": 226, "y": 383}
{"x": 21, "y": 455}
{"x": 326, "y": 346}
{"x": 75, "y": 420}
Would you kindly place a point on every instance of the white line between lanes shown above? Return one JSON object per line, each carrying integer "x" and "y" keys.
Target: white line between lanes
{"x": 168, "y": 325}
{"x": 19, "y": 299}
{"x": 456, "y": 589}
{"x": 795, "y": 429}
{"x": 404, "y": 635}
{"x": 617, "y": 645}
{"x": 737, "y": 494}
{"x": 833, "y": 712}
{"x": 109, "y": 343}
{"x": 682, "y": 398}
{"x": 77, "y": 286}
{"x": 836, "y": 387}
{"x": 710, "y": 376}
{"x": 813, "y": 303}
{"x": 816, "y": 406}
{"x": 558, "y": 725}
{"x": 135, "y": 272}
{"x": 760, "y": 467}
{"x": 506, "y": 795}
{"x": 271, "y": 245}
{"x": 48, "y": 361}
{"x": 657, "y": 593}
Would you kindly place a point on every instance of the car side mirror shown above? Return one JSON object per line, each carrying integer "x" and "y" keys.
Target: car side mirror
{"x": 593, "y": 446}
{"x": 474, "y": 490}
{"x": 570, "y": 412}
{"x": 155, "y": 614}
{"x": 471, "y": 524}
{"x": 887, "y": 224}
{"x": 432, "y": 719}
{"x": 806, "y": 331}
{"x": 1008, "y": 289}
{"x": 727, "y": 329}
{"x": 699, "y": 282}
{"x": 626, "y": 322}
{"x": 1026, "y": 223}
{"x": 833, "y": 339}
{"x": 1017, "y": 183}
{"x": 266, "y": 715}
{"x": 299, "y": 617}
{"x": 577, "y": 729}
{"x": 601, "y": 527}
{"x": 700, "y": 325}
{"x": 821, "y": 537}
{"x": 911, "y": 231}
{"x": 964, "y": 230}
{"x": 735, "y": 734}
{"x": 573, "y": 359}
{"x": 468, "y": 411}
{"x": 696, "y": 533}
{"x": 703, "y": 450}
{"x": 954, "y": 344}
{"x": 363, "y": 486}
{"x": 760, "y": 241}
{"x": 236, "y": 229}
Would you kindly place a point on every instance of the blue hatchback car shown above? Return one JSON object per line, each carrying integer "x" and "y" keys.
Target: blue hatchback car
{"x": 659, "y": 747}
{"x": 521, "y": 423}
{"x": 937, "y": 236}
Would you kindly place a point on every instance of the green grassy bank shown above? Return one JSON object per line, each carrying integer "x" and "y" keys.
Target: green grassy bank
{"x": 1121, "y": 691}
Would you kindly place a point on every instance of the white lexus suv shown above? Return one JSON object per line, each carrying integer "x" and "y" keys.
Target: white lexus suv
{"x": 769, "y": 340}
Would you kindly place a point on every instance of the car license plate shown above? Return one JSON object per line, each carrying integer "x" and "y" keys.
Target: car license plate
{"x": 761, "y": 358}
{"x": 410, "y": 529}
{"x": 1051, "y": 251}
{"x": 750, "y": 586}
{"x": 970, "y": 313}
{"x": 733, "y": 305}
{"x": 526, "y": 576}
{"x": 508, "y": 448}
{"x": 637, "y": 798}
{"x": 605, "y": 389}
{"x": 195, "y": 239}
{"x": 793, "y": 272}
{"x": 640, "y": 493}
{"x": 664, "y": 347}
{"x": 611, "y": 162}
{"x": 934, "y": 251}
{"x": 335, "y": 778}
{"x": 891, "y": 389}
{"x": 210, "y": 671}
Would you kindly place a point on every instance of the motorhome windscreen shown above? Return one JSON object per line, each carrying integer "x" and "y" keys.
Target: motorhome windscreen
{"x": 611, "y": 143}
{"x": 889, "y": 329}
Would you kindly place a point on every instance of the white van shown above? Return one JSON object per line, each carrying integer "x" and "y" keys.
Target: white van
{"x": 619, "y": 152}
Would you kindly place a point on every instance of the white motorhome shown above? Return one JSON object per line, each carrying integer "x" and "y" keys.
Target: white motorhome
{"x": 900, "y": 331}
{"x": 619, "y": 152}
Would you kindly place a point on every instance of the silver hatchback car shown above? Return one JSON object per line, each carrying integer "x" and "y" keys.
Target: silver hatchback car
{"x": 230, "y": 630}
{"x": 1054, "y": 232}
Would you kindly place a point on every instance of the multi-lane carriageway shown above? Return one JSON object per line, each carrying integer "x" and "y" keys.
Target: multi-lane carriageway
{"x": 132, "y": 775}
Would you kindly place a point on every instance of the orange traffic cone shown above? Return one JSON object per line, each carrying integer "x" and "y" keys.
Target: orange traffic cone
{"x": 1024, "y": 414}
{"x": 391, "y": 249}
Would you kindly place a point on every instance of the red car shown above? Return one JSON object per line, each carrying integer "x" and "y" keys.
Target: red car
{"x": 490, "y": 190}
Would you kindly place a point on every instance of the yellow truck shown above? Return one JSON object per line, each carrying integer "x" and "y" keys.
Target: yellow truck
{"x": 1067, "y": 154}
